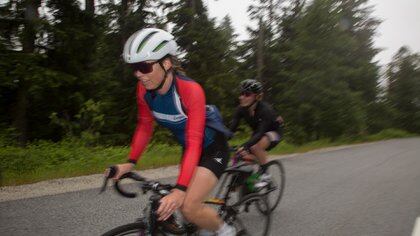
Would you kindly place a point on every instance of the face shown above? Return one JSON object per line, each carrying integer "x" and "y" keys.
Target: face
{"x": 247, "y": 98}
{"x": 150, "y": 73}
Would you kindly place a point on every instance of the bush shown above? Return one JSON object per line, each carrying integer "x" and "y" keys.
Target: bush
{"x": 43, "y": 160}
{"x": 389, "y": 134}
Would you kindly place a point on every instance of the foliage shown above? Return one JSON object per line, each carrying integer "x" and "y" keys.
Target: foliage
{"x": 44, "y": 160}
{"x": 62, "y": 77}
{"x": 404, "y": 89}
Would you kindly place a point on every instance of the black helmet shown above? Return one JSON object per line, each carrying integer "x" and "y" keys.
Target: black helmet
{"x": 251, "y": 85}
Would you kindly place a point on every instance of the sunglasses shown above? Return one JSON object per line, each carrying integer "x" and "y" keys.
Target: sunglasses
{"x": 143, "y": 67}
{"x": 246, "y": 93}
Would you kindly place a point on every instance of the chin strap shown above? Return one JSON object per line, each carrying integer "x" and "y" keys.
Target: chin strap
{"x": 164, "y": 77}
{"x": 249, "y": 106}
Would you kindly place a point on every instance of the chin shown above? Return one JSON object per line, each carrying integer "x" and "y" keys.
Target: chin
{"x": 150, "y": 86}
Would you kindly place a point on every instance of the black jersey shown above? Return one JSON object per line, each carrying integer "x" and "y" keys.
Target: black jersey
{"x": 263, "y": 120}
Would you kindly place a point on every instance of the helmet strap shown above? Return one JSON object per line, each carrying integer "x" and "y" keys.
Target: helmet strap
{"x": 250, "y": 105}
{"x": 164, "y": 77}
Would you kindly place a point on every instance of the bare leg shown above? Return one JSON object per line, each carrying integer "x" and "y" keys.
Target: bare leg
{"x": 259, "y": 150}
{"x": 193, "y": 209}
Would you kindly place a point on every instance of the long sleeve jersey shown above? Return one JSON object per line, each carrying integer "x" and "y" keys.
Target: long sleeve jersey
{"x": 263, "y": 120}
{"x": 183, "y": 111}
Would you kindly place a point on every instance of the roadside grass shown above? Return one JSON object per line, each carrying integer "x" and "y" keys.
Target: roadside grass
{"x": 287, "y": 148}
{"x": 45, "y": 160}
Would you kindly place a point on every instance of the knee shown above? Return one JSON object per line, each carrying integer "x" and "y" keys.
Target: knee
{"x": 189, "y": 210}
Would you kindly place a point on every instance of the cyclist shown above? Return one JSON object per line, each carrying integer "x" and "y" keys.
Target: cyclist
{"x": 177, "y": 103}
{"x": 266, "y": 125}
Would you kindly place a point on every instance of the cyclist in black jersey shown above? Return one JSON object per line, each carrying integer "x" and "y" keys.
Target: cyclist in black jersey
{"x": 266, "y": 125}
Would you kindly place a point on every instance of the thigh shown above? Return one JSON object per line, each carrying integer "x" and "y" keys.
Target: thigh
{"x": 274, "y": 139}
{"x": 201, "y": 185}
{"x": 264, "y": 142}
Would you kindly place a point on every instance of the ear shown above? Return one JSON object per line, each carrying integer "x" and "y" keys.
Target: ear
{"x": 167, "y": 63}
{"x": 260, "y": 96}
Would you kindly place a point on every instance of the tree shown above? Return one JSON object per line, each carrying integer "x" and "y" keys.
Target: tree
{"x": 20, "y": 14}
{"x": 404, "y": 89}
{"x": 257, "y": 52}
{"x": 115, "y": 80}
{"x": 208, "y": 50}
{"x": 281, "y": 50}
{"x": 359, "y": 26}
{"x": 320, "y": 103}
{"x": 265, "y": 13}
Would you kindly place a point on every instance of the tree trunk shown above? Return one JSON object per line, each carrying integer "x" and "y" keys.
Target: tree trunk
{"x": 124, "y": 12}
{"x": 90, "y": 7}
{"x": 260, "y": 53}
{"x": 20, "y": 121}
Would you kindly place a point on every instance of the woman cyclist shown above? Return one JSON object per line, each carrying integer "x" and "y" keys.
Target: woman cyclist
{"x": 177, "y": 103}
{"x": 266, "y": 125}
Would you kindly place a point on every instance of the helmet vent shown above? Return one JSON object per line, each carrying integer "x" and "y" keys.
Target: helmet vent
{"x": 163, "y": 43}
{"x": 145, "y": 39}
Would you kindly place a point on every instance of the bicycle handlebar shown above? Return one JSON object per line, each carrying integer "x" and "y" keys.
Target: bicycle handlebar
{"x": 129, "y": 175}
{"x": 146, "y": 185}
{"x": 238, "y": 157}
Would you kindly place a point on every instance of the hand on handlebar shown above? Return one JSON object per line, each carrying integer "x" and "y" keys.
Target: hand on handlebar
{"x": 115, "y": 172}
{"x": 242, "y": 152}
{"x": 170, "y": 203}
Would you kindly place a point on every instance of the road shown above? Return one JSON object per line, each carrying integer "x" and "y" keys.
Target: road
{"x": 369, "y": 189}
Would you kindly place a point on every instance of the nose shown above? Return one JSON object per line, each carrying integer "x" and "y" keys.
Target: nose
{"x": 137, "y": 73}
{"x": 140, "y": 76}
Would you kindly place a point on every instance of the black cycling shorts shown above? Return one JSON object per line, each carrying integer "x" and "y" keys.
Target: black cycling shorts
{"x": 215, "y": 157}
{"x": 274, "y": 137}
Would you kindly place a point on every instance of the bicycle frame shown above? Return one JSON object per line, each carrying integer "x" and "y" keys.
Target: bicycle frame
{"x": 152, "y": 226}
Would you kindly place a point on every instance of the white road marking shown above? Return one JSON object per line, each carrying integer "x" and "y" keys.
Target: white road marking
{"x": 416, "y": 230}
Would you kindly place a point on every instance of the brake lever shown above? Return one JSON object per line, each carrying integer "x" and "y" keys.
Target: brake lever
{"x": 112, "y": 171}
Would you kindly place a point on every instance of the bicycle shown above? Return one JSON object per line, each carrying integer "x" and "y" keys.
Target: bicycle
{"x": 274, "y": 188}
{"x": 240, "y": 214}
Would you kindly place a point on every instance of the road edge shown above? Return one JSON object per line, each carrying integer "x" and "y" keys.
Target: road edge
{"x": 74, "y": 184}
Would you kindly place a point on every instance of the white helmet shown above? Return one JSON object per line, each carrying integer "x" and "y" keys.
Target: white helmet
{"x": 149, "y": 44}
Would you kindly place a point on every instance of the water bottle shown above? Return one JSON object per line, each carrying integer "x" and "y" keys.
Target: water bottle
{"x": 251, "y": 180}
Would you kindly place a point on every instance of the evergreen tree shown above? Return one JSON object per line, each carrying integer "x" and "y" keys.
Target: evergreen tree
{"x": 21, "y": 20}
{"x": 404, "y": 89}
{"x": 111, "y": 74}
{"x": 257, "y": 52}
{"x": 319, "y": 101}
{"x": 358, "y": 24}
{"x": 208, "y": 50}
{"x": 70, "y": 43}
{"x": 282, "y": 58}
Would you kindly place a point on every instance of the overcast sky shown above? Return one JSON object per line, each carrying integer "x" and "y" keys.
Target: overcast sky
{"x": 400, "y": 26}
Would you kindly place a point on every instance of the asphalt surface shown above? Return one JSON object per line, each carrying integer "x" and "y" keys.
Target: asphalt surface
{"x": 370, "y": 189}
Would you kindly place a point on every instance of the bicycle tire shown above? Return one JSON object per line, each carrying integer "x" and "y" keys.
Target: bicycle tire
{"x": 248, "y": 219}
{"x": 137, "y": 229}
{"x": 278, "y": 181}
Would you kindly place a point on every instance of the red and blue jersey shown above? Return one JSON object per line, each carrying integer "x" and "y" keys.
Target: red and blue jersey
{"x": 183, "y": 111}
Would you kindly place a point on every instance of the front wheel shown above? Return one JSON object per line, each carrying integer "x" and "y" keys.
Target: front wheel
{"x": 134, "y": 229}
{"x": 245, "y": 217}
{"x": 275, "y": 187}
